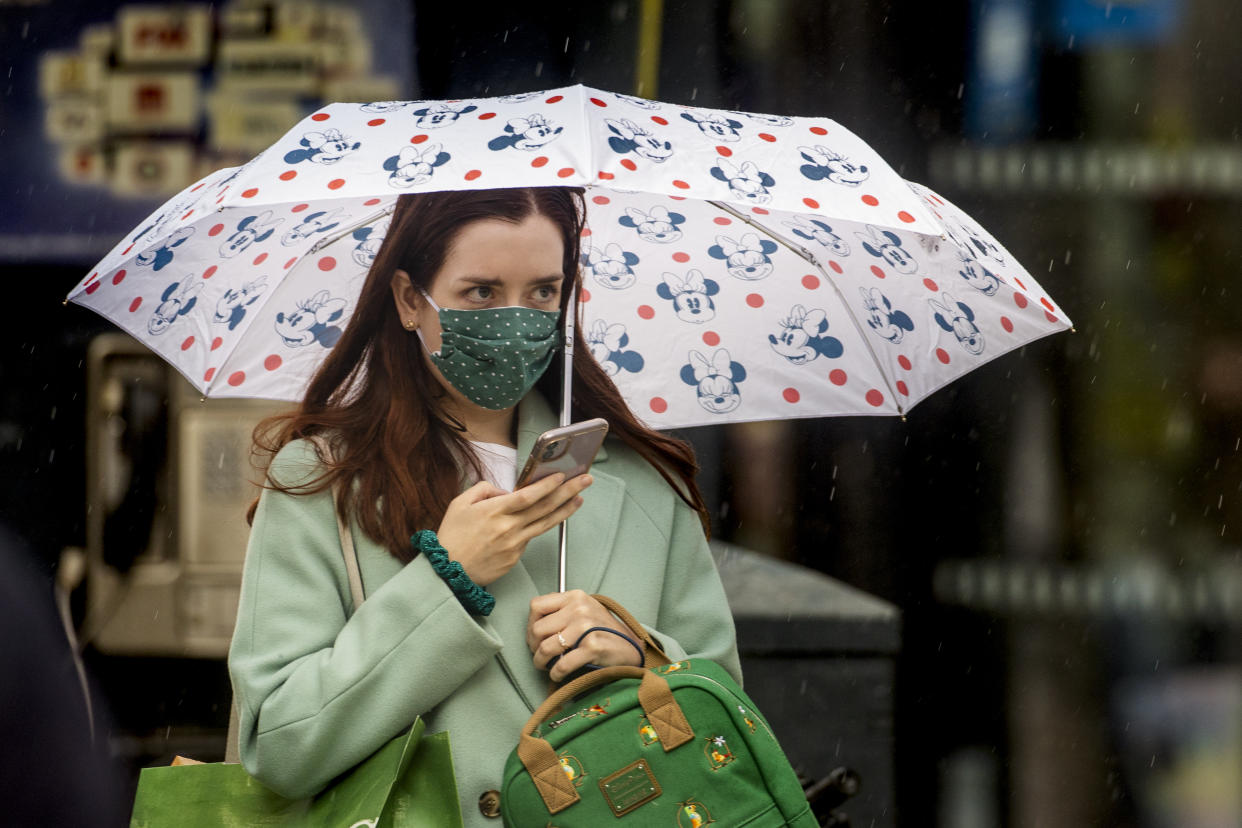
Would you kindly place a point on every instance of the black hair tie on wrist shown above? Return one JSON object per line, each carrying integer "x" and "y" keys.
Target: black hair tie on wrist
{"x": 586, "y": 668}
{"x": 619, "y": 634}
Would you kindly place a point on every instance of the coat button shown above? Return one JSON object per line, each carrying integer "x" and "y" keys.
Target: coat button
{"x": 489, "y": 804}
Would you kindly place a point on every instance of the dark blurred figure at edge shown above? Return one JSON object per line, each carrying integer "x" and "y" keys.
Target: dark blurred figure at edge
{"x": 53, "y": 770}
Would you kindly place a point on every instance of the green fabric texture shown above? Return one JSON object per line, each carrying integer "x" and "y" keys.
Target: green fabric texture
{"x": 731, "y": 772}
{"x": 495, "y": 355}
{"x": 318, "y": 689}
{"x": 408, "y": 783}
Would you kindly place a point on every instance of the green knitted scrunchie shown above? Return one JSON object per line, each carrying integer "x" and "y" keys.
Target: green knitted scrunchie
{"x": 473, "y": 597}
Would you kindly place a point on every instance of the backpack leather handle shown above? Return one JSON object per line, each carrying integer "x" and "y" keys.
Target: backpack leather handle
{"x": 653, "y": 654}
{"x": 540, "y": 759}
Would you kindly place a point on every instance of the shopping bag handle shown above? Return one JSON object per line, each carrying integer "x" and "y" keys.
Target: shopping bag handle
{"x": 540, "y": 759}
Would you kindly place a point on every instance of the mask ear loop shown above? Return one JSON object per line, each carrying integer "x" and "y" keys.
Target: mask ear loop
{"x": 419, "y": 329}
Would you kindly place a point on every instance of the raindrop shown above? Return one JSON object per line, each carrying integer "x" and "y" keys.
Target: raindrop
{"x": 539, "y": 69}
{"x": 1067, "y": 258}
{"x": 566, "y": 49}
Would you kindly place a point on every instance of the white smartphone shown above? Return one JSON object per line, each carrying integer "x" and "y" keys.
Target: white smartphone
{"x": 569, "y": 449}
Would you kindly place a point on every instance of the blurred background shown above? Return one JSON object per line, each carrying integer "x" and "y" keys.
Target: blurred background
{"x": 1057, "y": 535}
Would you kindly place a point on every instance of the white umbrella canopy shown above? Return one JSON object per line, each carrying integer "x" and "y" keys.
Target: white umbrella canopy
{"x": 736, "y": 266}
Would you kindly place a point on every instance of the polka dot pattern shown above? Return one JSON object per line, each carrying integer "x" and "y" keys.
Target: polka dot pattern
{"x": 494, "y": 356}
{"x": 749, "y": 333}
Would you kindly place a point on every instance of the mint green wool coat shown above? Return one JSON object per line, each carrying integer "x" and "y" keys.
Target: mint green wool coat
{"x": 318, "y": 690}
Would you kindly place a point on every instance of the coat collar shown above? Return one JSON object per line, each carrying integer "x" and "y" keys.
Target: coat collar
{"x": 592, "y": 532}
{"x": 535, "y": 416}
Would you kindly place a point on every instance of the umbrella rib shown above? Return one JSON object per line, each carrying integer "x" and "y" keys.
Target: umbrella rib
{"x": 314, "y": 248}
{"x": 810, "y": 257}
{"x": 342, "y": 233}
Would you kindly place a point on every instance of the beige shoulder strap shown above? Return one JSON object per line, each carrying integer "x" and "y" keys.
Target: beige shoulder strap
{"x": 350, "y": 554}
{"x": 232, "y": 749}
{"x": 348, "y": 551}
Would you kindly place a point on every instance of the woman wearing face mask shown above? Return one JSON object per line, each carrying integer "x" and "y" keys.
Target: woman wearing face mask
{"x": 418, "y": 418}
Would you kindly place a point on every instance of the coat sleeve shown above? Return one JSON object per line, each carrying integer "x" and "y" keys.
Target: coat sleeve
{"x": 694, "y": 617}
{"x": 319, "y": 690}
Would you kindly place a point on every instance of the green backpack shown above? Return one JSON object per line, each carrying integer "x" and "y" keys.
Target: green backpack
{"x": 678, "y": 745}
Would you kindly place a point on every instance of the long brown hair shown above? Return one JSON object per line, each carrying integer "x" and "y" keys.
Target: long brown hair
{"x": 377, "y": 404}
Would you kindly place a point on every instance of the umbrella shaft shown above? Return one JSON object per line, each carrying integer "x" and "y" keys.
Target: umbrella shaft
{"x": 560, "y": 578}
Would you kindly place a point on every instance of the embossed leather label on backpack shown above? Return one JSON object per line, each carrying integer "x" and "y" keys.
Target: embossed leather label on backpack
{"x": 630, "y": 787}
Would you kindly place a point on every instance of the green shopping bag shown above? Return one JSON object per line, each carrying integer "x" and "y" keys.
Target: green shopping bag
{"x": 408, "y": 783}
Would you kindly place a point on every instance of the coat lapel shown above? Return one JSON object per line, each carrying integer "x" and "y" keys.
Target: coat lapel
{"x": 513, "y": 594}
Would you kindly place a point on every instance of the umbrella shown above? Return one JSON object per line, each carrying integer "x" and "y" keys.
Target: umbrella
{"x": 737, "y": 266}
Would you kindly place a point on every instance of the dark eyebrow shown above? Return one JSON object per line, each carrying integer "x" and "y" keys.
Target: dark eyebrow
{"x": 493, "y": 280}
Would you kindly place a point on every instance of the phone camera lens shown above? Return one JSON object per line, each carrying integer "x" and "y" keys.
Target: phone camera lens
{"x": 550, "y": 453}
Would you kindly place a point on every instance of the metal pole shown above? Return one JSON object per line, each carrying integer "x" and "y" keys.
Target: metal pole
{"x": 647, "y": 64}
{"x": 567, "y": 394}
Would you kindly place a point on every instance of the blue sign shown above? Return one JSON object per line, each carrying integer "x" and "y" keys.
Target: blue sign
{"x": 1083, "y": 23}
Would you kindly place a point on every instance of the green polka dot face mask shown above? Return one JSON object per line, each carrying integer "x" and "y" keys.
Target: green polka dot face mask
{"x": 493, "y": 356}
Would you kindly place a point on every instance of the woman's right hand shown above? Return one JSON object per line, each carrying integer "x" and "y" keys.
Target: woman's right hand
{"x": 486, "y": 529}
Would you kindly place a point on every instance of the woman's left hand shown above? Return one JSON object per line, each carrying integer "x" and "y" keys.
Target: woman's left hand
{"x": 570, "y": 614}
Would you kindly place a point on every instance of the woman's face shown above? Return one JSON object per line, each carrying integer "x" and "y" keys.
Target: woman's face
{"x": 491, "y": 264}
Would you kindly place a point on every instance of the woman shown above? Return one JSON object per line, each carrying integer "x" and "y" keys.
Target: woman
{"x": 421, "y": 439}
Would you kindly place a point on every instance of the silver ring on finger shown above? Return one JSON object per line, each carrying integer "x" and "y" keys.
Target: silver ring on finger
{"x": 564, "y": 645}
